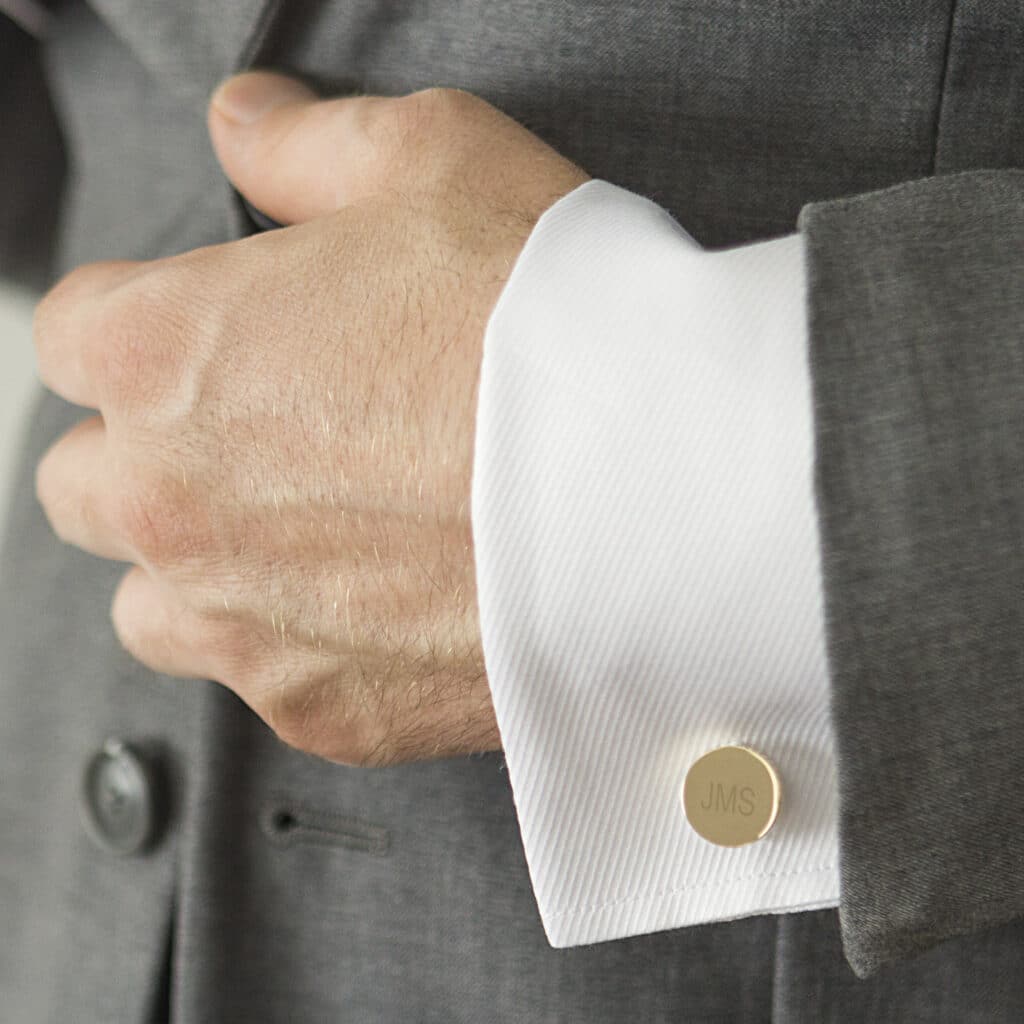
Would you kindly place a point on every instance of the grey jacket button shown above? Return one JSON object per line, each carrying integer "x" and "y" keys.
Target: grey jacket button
{"x": 120, "y": 799}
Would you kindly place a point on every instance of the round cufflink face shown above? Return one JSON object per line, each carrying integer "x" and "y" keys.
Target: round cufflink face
{"x": 731, "y": 796}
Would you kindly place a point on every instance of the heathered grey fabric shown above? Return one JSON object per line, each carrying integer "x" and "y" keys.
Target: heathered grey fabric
{"x": 917, "y": 320}
{"x": 402, "y": 895}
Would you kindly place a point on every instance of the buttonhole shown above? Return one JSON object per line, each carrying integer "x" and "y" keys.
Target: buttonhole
{"x": 287, "y": 823}
{"x": 282, "y": 820}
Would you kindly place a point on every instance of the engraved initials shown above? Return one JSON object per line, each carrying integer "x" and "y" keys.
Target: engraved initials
{"x": 733, "y": 800}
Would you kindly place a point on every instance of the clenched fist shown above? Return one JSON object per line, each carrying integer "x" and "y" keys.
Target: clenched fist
{"x": 285, "y": 432}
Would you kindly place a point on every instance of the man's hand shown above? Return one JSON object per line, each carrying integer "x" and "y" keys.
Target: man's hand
{"x": 285, "y": 439}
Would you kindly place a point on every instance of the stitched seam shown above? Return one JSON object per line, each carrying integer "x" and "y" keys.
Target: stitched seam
{"x": 677, "y": 890}
{"x": 941, "y": 104}
{"x": 337, "y": 837}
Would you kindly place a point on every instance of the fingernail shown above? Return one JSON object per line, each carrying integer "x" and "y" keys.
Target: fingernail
{"x": 247, "y": 97}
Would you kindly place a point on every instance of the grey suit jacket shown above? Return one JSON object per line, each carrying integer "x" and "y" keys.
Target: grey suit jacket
{"x": 277, "y": 887}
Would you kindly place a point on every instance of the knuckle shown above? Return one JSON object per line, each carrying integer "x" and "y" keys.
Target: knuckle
{"x": 232, "y": 648}
{"x": 140, "y": 522}
{"x": 139, "y": 340}
{"x": 135, "y": 360}
{"x": 118, "y": 363}
{"x": 115, "y": 323}
{"x": 419, "y": 119}
{"x": 155, "y": 517}
{"x": 441, "y": 101}
{"x": 376, "y": 126}
{"x": 404, "y": 124}
{"x": 416, "y": 115}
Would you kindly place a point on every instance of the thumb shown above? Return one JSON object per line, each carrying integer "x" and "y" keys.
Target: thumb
{"x": 279, "y": 144}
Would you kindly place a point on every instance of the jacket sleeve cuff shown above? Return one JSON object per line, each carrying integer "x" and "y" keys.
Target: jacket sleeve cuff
{"x": 917, "y": 358}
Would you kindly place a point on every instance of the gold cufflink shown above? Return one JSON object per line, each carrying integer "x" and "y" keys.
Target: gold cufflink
{"x": 731, "y": 796}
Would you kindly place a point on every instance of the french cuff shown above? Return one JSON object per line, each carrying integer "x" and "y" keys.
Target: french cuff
{"x": 648, "y": 566}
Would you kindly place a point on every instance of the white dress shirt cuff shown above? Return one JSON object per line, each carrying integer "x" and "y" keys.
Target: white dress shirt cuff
{"x": 648, "y": 565}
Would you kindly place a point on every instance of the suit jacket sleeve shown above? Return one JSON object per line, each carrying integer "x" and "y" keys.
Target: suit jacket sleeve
{"x": 32, "y": 163}
{"x": 916, "y": 318}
